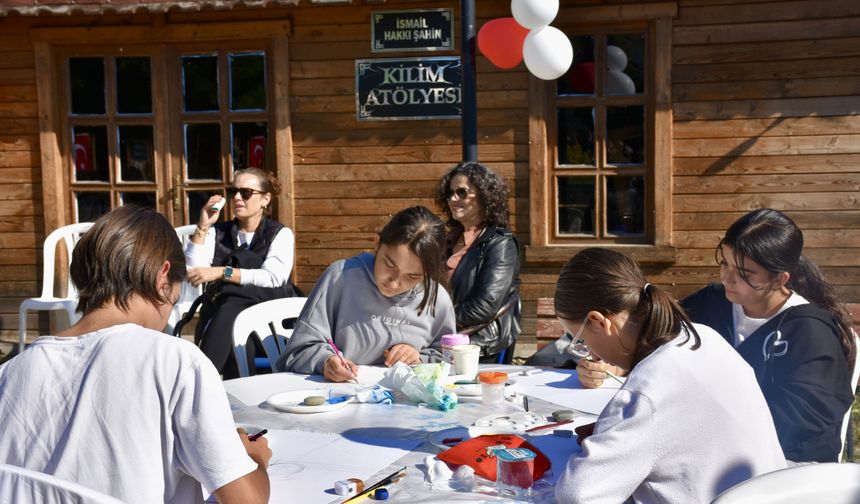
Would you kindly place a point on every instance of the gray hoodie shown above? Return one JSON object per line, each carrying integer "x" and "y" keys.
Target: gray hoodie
{"x": 346, "y": 305}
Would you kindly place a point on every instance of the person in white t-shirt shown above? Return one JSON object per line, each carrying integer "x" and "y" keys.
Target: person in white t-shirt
{"x": 117, "y": 406}
{"x": 690, "y": 420}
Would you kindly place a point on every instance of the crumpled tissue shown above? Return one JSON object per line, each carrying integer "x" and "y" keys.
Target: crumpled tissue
{"x": 376, "y": 395}
{"x": 440, "y": 477}
{"x": 422, "y": 383}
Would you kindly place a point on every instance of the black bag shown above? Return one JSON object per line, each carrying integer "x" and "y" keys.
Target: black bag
{"x": 217, "y": 295}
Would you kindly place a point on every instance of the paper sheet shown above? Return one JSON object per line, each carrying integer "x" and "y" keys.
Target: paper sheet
{"x": 556, "y": 385}
{"x": 305, "y": 465}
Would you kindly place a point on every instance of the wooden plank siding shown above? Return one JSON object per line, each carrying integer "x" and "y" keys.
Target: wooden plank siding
{"x": 765, "y": 111}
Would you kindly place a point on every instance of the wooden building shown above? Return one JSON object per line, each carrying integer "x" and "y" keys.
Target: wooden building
{"x": 723, "y": 106}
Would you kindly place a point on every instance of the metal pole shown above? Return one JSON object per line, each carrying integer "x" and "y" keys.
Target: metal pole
{"x": 468, "y": 89}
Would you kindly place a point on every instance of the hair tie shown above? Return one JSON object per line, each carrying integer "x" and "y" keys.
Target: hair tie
{"x": 645, "y": 289}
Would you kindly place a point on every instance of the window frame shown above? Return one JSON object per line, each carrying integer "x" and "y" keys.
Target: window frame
{"x": 545, "y": 247}
{"x": 48, "y": 44}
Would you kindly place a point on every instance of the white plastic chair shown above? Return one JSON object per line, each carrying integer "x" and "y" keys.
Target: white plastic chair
{"x": 188, "y": 293}
{"x": 24, "y": 486}
{"x": 47, "y": 301}
{"x": 802, "y": 484}
{"x": 266, "y": 320}
{"x": 855, "y": 375}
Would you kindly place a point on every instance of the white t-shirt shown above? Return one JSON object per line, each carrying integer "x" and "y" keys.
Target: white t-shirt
{"x": 685, "y": 426}
{"x": 745, "y": 325}
{"x": 127, "y": 411}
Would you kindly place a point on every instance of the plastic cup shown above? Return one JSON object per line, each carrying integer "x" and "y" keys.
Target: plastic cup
{"x": 466, "y": 360}
{"x": 492, "y": 387}
{"x": 449, "y": 341}
{"x": 515, "y": 471}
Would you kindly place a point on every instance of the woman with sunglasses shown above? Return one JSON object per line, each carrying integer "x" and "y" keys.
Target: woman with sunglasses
{"x": 378, "y": 309}
{"x": 690, "y": 420}
{"x": 483, "y": 259}
{"x": 775, "y": 307}
{"x": 251, "y": 255}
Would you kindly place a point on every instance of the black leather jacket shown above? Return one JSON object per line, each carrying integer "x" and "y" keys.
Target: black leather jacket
{"x": 487, "y": 278}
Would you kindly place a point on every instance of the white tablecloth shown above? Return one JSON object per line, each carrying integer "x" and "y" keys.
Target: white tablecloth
{"x": 402, "y": 425}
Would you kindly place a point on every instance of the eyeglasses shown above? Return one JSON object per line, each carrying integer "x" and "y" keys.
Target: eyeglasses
{"x": 245, "y": 192}
{"x": 577, "y": 347}
{"x": 461, "y": 193}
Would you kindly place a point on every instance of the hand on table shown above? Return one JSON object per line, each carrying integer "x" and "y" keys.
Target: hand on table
{"x": 257, "y": 449}
{"x": 335, "y": 371}
{"x": 197, "y": 276}
{"x": 401, "y": 353}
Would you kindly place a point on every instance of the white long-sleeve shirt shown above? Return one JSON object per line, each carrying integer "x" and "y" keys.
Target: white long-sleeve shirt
{"x": 275, "y": 270}
{"x": 686, "y": 425}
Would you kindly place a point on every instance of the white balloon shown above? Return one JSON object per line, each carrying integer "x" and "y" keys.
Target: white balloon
{"x": 547, "y": 53}
{"x": 619, "y": 83}
{"x": 616, "y": 58}
{"x": 534, "y": 14}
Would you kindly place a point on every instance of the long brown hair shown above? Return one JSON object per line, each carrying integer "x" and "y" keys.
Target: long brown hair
{"x": 121, "y": 255}
{"x": 609, "y": 282}
{"x": 424, "y": 234}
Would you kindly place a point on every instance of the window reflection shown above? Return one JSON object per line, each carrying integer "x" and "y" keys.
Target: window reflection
{"x": 135, "y": 151}
{"x": 203, "y": 151}
{"x": 625, "y": 205}
{"x": 249, "y": 145}
{"x": 133, "y": 86}
{"x": 579, "y": 78}
{"x": 200, "y": 83}
{"x": 89, "y": 206}
{"x": 625, "y": 64}
{"x": 625, "y": 135}
{"x": 247, "y": 81}
{"x": 141, "y": 199}
{"x": 87, "y": 85}
{"x": 576, "y": 136}
{"x": 576, "y": 205}
{"x": 89, "y": 152}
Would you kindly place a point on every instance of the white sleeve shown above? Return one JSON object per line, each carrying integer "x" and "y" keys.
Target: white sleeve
{"x": 207, "y": 444}
{"x": 278, "y": 265}
{"x": 203, "y": 254}
{"x": 617, "y": 458}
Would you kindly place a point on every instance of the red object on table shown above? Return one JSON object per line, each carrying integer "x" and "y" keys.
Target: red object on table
{"x": 475, "y": 454}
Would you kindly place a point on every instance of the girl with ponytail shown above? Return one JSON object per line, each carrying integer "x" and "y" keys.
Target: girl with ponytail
{"x": 775, "y": 307}
{"x": 689, "y": 400}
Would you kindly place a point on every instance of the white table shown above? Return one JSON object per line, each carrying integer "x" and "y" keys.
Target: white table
{"x": 548, "y": 390}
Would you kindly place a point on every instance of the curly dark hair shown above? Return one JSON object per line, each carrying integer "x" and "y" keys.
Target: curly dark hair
{"x": 492, "y": 192}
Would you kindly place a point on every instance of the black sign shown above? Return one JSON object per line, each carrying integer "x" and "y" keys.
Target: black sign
{"x": 408, "y": 88}
{"x": 412, "y": 30}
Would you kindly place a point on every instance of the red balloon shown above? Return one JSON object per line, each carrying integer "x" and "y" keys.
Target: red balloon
{"x": 582, "y": 77}
{"x": 501, "y": 41}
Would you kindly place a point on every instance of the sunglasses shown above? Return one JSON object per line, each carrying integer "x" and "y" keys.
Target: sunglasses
{"x": 461, "y": 193}
{"x": 245, "y": 192}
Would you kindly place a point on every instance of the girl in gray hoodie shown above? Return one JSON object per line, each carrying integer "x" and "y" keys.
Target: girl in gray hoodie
{"x": 378, "y": 308}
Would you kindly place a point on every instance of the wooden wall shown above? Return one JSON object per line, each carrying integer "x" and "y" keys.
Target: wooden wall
{"x": 765, "y": 100}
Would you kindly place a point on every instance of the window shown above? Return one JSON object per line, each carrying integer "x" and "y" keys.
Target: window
{"x": 159, "y": 116}
{"x": 599, "y": 174}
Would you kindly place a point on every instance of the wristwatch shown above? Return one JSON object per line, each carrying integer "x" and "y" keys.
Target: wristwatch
{"x": 228, "y": 272}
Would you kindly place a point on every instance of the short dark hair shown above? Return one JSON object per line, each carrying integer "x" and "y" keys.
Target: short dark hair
{"x": 121, "y": 255}
{"x": 609, "y": 282}
{"x": 424, "y": 233}
{"x": 491, "y": 190}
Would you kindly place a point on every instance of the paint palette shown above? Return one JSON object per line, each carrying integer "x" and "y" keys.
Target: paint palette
{"x": 293, "y": 401}
{"x": 516, "y": 422}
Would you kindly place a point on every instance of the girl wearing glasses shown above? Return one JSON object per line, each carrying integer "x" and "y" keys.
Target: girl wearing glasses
{"x": 252, "y": 255}
{"x": 776, "y": 309}
{"x": 483, "y": 260}
{"x": 381, "y": 308}
{"x": 690, "y": 420}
